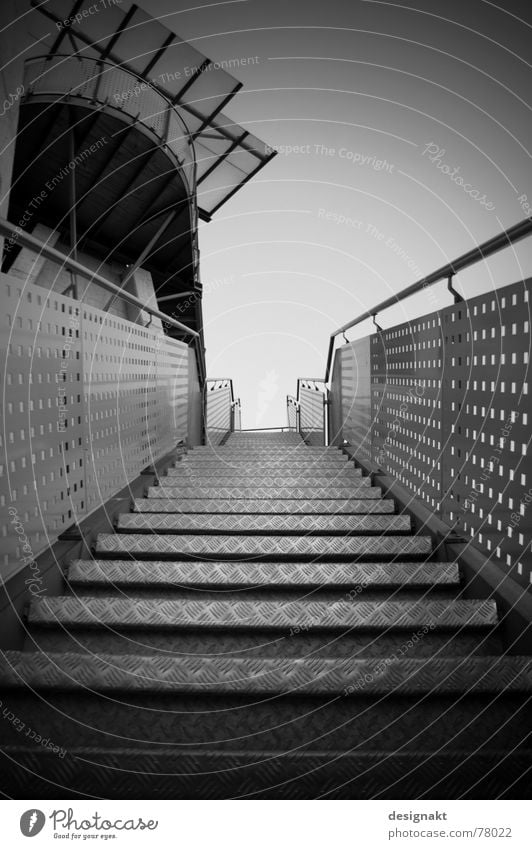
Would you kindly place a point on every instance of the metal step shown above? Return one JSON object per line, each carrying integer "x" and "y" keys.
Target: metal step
{"x": 255, "y": 505}
{"x": 294, "y": 642}
{"x": 193, "y": 478}
{"x": 305, "y": 477}
{"x": 252, "y": 523}
{"x": 174, "y": 614}
{"x": 175, "y": 477}
{"x": 263, "y": 493}
{"x": 106, "y": 673}
{"x": 264, "y": 547}
{"x": 206, "y": 773}
{"x": 336, "y": 463}
{"x": 262, "y": 442}
{"x": 224, "y": 574}
{"x": 279, "y": 451}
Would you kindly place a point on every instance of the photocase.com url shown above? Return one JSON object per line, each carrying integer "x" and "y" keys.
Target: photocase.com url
{"x": 480, "y": 832}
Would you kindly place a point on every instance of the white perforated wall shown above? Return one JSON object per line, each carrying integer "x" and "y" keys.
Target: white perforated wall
{"x": 90, "y": 399}
{"x": 450, "y": 416}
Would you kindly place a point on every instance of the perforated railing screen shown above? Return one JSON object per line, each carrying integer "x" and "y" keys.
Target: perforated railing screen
{"x": 442, "y": 404}
{"x": 90, "y": 399}
{"x": 311, "y": 412}
{"x": 218, "y": 410}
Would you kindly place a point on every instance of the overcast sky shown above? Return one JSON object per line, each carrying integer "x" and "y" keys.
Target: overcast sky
{"x": 404, "y": 133}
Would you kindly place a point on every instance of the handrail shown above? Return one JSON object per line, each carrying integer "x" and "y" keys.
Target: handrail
{"x": 28, "y": 241}
{"x": 446, "y": 272}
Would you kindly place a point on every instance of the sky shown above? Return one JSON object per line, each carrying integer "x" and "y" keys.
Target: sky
{"x": 403, "y": 135}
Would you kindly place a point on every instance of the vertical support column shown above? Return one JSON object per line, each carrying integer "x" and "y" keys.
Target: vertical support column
{"x": 13, "y": 40}
{"x": 72, "y": 199}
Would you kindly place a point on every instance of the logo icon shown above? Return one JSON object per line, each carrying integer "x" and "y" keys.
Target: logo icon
{"x": 32, "y": 822}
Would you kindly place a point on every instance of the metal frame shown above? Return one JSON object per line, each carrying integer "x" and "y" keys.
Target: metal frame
{"x": 206, "y": 120}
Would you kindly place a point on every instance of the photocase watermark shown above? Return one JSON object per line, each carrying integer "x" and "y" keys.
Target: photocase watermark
{"x": 34, "y": 582}
{"x": 525, "y": 205}
{"x": 212, "y": 286}
{"x": 353, "y": 156}
{"x": 516, "y": 518}
{"x": 268, "y": 389}
{"x": 11, "y": 99}
{"x": 298, "y": 629}
{"x": 37, "y": 200}
{"x": 382, "y": 664}
{"x": 435, "y": 154}
{"x": 369, "y": 229}
{"x": 61, "y": 376}
{"x": 493, "y": 461}
{"x": 88, "y": 12}
{"x": 66, "y": 824}
{"x": 182, "y": 75}
{"x": 30, "y": 733}
{"x": 414, "y": 392}
{"x": 70, "y": 823}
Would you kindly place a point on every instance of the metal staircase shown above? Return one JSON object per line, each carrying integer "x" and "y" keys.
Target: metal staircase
{"x": 263, "y": 624}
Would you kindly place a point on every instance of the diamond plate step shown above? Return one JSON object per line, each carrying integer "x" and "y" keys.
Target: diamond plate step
{"x": 192, "y": 478}
{"x": 271, "y": 547}
{"x": 168, "y": 575}
{"x": 128, "y": 773}
{"x": 227, "y": 477}
{"x": 110, "y": 673}
{"x": 296, "y": 451}
{"x": 261, "y": 443}
{"x": 267, "y": 436}
{"x": 273, "y": 493}
{"x": 164, "y": 613}
{"x": 285, "y": 469}
{"x": 333, "y": 464}
{"x": 255, "y": 505}
{"x": 253, "y": 523}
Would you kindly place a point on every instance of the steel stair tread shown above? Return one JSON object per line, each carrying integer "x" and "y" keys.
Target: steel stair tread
{"x": 226, "y": 574}
{"x": 237, "y": 480}
{"x": 250, "y": 470}
{"x": 108, "y": 673}
{"x": 203, "y": 490}
{"x": 292, "y": 507}
{"x": 220, "y": 523}
{"x": 273, "y": 451}
{"x": 252, "y": 464}
{"x": 126, "y": 773}
{"x": 236, "y": 545}
{"x": 98, "y": 612}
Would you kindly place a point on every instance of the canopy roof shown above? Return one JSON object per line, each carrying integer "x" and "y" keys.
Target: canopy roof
{"x": 227, "y": 156}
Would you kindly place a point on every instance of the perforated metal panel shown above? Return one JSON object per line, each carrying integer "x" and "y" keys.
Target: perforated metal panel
{"x": 351, "y": 397}
{"x": 291, "y": 411}
{"x": 487, "y": 475}
{"x": 449, "y": 416}
{"x": 406, "y": 406}
{"x": 218, "y": 403}
{"x": 136, "y": 395}
{"x": 311, "y": 412}
{"x": 90, "y": 400}
{"x": 42, "y": 471}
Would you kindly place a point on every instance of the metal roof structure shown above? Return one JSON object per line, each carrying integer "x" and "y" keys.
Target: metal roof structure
{"x": 227, "y": 156}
